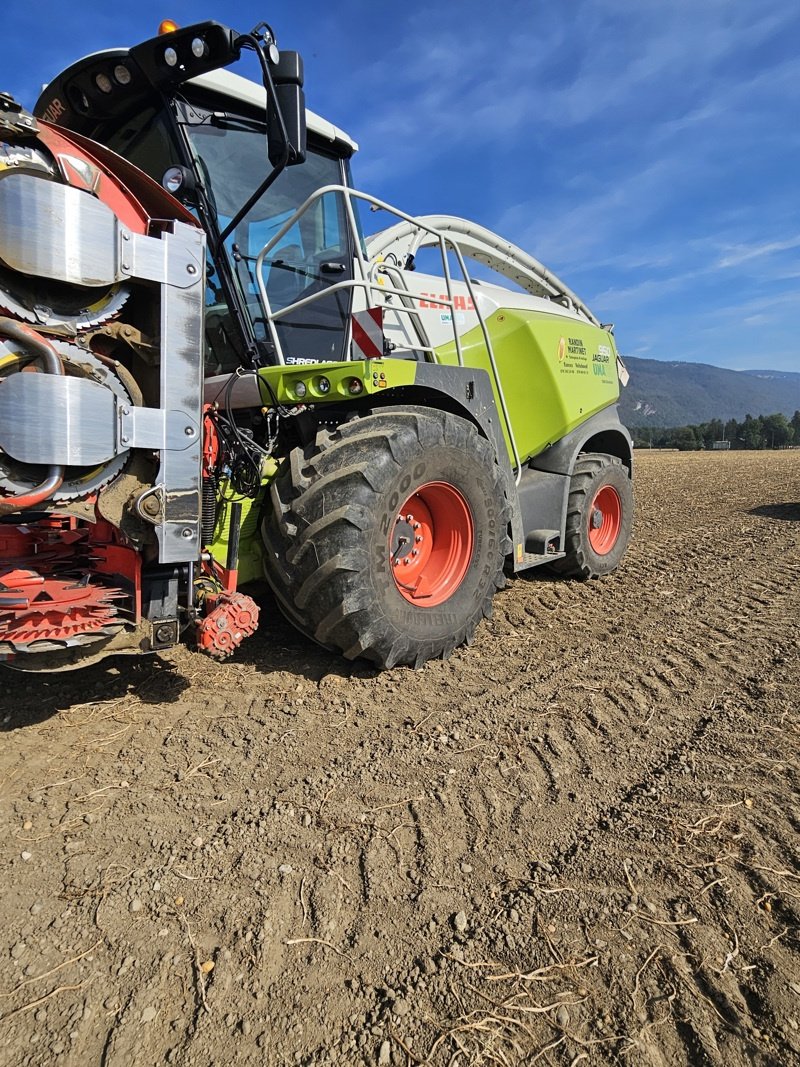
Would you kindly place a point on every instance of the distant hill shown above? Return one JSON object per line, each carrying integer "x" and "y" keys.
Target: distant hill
{"x": 681, "y": 394}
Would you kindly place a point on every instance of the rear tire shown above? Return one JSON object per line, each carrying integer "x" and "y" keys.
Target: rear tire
{"x": 599, "y": 517}
{"x": 386, "y": 539}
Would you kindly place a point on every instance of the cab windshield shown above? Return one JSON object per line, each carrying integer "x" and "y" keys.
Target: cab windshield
{"x": 230, "y": 153}
{"x": 314, "y": 253}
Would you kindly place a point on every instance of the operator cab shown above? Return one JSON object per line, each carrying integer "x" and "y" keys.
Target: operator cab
{"x": 204, "y": 132}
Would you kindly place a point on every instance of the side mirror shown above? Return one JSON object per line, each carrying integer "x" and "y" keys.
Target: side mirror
{"x": 287, "y": 76}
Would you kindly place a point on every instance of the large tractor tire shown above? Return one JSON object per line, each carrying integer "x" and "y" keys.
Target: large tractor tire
{"x": 599, "y": 517}
{"x": 386, "y": 539}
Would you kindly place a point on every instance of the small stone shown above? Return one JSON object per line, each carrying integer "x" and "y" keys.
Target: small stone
{"x": 285, "y": 868}
{"x": 514, "y": 915}
{"x": 27, "y": 825}
{"x": 562, "y": 1016}
{"x": 247, "y": 1027}
{"x": 384, "y": 1054}
{"x": 466, "y": 868}
{"x": 109, "y": 1003}
{"x": 207, "y": 967}
{"x": 149, "y": 1014}
{"x": 460, "y": 921}
{"x": 156, "y": 887}
{"x": 179, "y": 901}
{"x": 135, "y": 905}
{"x": 25, "y": 856}
{"x": 307, "y": 819}
{"x": 197, "y": 842}
{"x": 230, "y": 1019}
{"x": 89, "y": 819}
{"x": 748, "y": 803}
{"x": 19, "y": 950}
{"x": 401, "y": 1007}
{"x": 36, "y": 908}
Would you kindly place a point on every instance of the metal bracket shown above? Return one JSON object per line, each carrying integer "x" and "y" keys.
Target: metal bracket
{"x": 155, "y": 428}
{"x": 149, "y": 259}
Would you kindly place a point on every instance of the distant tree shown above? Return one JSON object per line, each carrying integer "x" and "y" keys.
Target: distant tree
{"x": 752, "y": 432}
{"x": 683, "y": 438}
{"x": 777, "y": 431}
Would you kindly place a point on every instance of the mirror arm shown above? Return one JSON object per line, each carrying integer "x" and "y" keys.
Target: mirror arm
{"x": 248, "y": 40}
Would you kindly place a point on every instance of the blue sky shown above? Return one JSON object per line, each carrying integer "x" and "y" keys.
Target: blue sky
{"x": 648, "y": 151}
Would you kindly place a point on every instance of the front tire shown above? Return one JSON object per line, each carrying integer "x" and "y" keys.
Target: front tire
{"x": 599, "y": 517}
{"x": 387, "y": 538}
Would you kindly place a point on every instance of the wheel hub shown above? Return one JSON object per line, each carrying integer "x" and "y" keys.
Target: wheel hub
{"x": 430, "y": 546}
{"x": 605, "y": 520}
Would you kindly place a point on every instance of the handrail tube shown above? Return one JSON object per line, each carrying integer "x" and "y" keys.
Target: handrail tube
{"x": 369, "y": 286}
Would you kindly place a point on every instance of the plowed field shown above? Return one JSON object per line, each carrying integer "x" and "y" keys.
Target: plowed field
{"x": 575, "y": 841}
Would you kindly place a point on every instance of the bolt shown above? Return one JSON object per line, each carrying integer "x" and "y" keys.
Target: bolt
{"x": 126, "y": 236}
{"x": 126, "y": 266}
{"x": 398, "y": 519}
{"x": 409, "y": 517}
{"x": 191, "y": 268}
{"x": 416, "y": 525}
{"x": 414, "y": 552}
{"x": 125, "y": 439}
{"x": 405, "y": 561}
{"x": 125, "y": 410}
{"x": 418, "y": 540}
{"x": 189, "y": 431}
{"x": 151, "y": 506}
{"x": 186, "y": 533}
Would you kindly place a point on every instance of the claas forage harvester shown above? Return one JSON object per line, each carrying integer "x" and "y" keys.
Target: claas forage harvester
{"x": 209, "y": 377}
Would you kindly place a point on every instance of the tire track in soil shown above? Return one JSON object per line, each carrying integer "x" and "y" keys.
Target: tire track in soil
{"x": 512, "y": 783}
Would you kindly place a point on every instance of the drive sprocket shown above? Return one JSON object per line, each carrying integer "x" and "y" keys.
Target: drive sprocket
{"x": 18, "y": 478}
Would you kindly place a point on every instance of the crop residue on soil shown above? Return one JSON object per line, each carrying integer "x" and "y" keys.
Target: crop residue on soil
{"x": 573, "y": 842}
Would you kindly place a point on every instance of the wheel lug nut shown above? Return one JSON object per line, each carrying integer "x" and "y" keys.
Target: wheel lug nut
{"x": 418, "y": 540}
{"x": 409, "y": 517}
{"x": 416, "y": 525}
{"x": 414, "y": 552}
{"x": 405, "y": 561}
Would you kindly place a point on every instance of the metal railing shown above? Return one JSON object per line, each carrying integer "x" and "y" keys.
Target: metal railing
{"x": 373, "y": 289}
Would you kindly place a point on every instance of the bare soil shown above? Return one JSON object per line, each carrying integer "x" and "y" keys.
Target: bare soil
{"x": 575, "y": 841}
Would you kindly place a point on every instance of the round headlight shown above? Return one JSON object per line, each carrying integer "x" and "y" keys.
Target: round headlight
{"x": 199, "y": 48}
{"x": 103, "y": 83}
{"x": 170, "y": 57}
{"x": 122, "y": 74}
{"x": 355, "y": 386}
{"x": 300, "y": 389}
{"x": 323, "y": 385}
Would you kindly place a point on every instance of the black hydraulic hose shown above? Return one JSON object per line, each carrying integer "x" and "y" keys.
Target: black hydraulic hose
{"x": 40, "y": 349}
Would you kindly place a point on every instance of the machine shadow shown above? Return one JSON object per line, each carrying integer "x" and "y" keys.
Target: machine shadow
{"x": 30, "y": 699}
{"x": 785, "y": 512}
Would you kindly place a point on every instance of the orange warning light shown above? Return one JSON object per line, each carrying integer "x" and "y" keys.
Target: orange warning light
{"x": 167, "y": 26}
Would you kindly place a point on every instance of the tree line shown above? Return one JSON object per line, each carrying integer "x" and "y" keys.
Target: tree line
{"x": 759, "y": 431}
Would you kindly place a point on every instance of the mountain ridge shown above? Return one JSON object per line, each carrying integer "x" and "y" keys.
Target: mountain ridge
{"x": 673, "y": 393}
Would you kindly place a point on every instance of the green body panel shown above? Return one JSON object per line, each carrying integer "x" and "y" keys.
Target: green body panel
{"x": 251, "y": 547}
{"x": 374, "y": 376}
{"x": 555, "y": 372}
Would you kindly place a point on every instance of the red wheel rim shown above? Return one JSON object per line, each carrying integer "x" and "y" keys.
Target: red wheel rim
{"x": 605, "y": 520}
{"x": 430, "y": 545}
